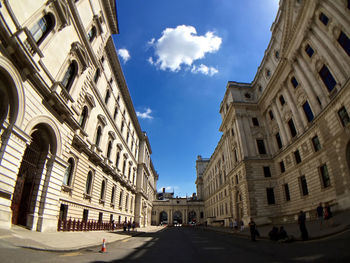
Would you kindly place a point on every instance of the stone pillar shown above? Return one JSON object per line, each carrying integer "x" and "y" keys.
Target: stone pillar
{"x": 316, "y": 85}
{"x": 45, "y": 216}
{"x": 241, "y": 136}
{"x": 306, "y": 84}
{"x": 13, "y": 144}
{"x": 323, "y": 44}
{"x": 294, "y": 108}
{"x": 280, "y": 124}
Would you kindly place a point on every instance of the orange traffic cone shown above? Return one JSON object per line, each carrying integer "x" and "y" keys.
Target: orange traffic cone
{"x": 103, "y": 248}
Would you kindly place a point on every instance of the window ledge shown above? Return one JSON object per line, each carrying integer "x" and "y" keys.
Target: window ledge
{"x": 66, "y": 188}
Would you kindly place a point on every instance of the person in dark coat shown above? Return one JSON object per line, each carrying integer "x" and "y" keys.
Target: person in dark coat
{"x": 252, "y": 229}
{"x": 125, "y": 226}
{"x": 319, "y": 213}
{"x": 302, "y": 226}
{"x": 273, "y": 234}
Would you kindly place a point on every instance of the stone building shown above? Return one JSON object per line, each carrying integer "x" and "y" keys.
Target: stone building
{"x": 285, "y": 142}
{"x": 71, "y": 143}
{"x": 178, "y": 210}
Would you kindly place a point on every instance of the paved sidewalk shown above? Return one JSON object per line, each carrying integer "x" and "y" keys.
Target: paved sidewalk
{"x": 340, "y": 223}
{"x": 66, "y": 241}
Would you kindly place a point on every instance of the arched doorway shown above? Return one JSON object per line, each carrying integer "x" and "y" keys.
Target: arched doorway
{"x": 163, "y": 217}
{"x": 239, "y": 207}
{"x": 30, "y": 173}
{"x": 192, "y": 217}
{"x": 177, "y": 217}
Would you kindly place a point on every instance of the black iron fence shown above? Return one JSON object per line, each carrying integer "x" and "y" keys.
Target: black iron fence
{"x": 89, "y": 225}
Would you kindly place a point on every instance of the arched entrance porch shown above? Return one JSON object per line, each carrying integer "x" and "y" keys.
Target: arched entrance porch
{"x": 177, "y": 217}
{"x": 163, "y": 217}
{"x": 192, "y": 217}
{"x": 30, "y": 183}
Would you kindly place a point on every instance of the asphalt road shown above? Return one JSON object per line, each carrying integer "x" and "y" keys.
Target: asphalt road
{"x": 180, "y": 244}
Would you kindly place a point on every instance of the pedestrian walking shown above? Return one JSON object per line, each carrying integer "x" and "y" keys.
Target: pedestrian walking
{"x": 253, "y": 230}
{"x": 242, "y": 225}
{"x": 328, "y": 214}
{"x": 125, "y": 225}
{"x": 319, "y": 213}
{"x": 235, "y": 225}
{"x": 129, "y": 226}
{"x": 133, "y": 226}
{"x": 302, "y": 226}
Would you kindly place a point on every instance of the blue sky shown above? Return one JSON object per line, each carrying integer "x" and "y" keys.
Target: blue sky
{"x": 177, "y": 57}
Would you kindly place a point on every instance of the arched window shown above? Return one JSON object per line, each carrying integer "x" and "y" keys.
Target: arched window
{"x": 109, "y": 149}
{"x": 69, "y": 172}
{"x": 126, "y": 202}
{"x": 108, "y": 95}
{"x": 103, "y": 188}
{"x": 42, "y": 28}
{"x": 124, "y": 166}
{"x": 98, "y": 136}
{"x": 69, "y": 76}
{"x": 117, "y": 160}
{"x": 83, "y": 117}
{"x": 97, "y": 75}
{"x": 113, "y": 195}
{"x": 92, "y": 34}
{"x": 88, "y": 183}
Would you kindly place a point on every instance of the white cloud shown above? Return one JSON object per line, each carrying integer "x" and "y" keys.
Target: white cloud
{"x": 182, "y": 46}
{"x": 124, "y": 54}
{"x": 204, "y": 70}
{"x": 145, "y": 115}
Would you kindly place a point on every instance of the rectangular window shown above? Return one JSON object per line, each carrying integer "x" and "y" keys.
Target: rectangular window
{"x": 261, "y": 146}
{"x": 309, "y": 51}
{"x": 294, "y": 82}
{"x": 325, "y": 176}
{"x": 316, "y": 143}
{"x": 344, "y": 41}
{"x": 110, "y": 218}
{"x": 327, "y": 78}
{"x": 271, "y": 115}
{"x": 344, "y": 116}
{"x": 297, "y": 156}
{"x": 85, "y": 215}
{"x": 308, "y": 112}
{"x": 286, "y": 192}
{"x": 323, "y": 18}
{"x": 279, "y": 141}
{"x": 293, "y": 131}
{"x": 303, "y": 184}
{"x": 267, "y": 171}
{"x": 63, "y": 212}
{"x": 100, "y": 217}
{"x": 283, "y": 169}
{"x": 270, "y": 196}
{"x": 282, "y": 101}
{"x": 255, "y": 121}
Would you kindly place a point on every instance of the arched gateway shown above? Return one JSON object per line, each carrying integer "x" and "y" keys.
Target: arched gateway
{"x": 29, "y": 181}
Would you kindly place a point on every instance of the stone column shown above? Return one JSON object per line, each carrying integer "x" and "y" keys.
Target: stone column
{"x": 294, "y": 108}
{"x": 305, "y": 70}
{"x": 13, "y": 145}
{"x": 282, "y": 129}
{"x": 306, "y": 86}
{"x": 241, "y": 136}
{"x": 47, "y": 211}
{"x": 323, "y": 44}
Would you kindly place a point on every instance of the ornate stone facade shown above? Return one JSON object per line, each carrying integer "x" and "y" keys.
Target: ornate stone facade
{"x": 71, "y": 143}
{"x": 285, "y": 145}
{"x": 178, "y": 210}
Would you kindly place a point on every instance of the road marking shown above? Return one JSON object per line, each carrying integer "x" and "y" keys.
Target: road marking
{"x": 126, "y": 240}
{"x": 73, "y": 254}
